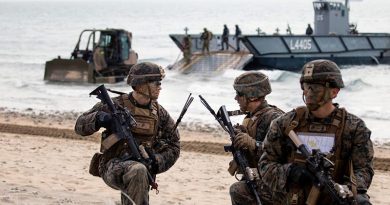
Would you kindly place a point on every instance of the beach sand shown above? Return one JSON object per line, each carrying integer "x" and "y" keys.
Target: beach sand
{"x": 37, "y": 169}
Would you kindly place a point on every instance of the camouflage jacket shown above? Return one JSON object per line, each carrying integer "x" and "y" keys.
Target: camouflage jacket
{"x": 257, "y": 124}
{"x": 165, "y": 144}
{"x": 274, "y": 166}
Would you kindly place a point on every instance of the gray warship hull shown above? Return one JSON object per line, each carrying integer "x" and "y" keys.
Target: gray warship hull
{"x": 334, "y": 38}
{"x": 292, "y": 52}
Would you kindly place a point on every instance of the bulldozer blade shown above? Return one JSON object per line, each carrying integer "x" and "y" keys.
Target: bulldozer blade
{"x": 68, "y": 70}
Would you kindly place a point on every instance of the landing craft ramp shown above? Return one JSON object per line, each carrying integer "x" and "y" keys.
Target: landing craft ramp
{"x": 334, "y": 38}
{"x": 214, "y": 62}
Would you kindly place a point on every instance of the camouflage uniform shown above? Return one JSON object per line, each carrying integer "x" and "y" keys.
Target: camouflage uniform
{"x": 115, "y": 166}
{"x": 225, "y": 37}
{"x": 352, "y": 150}
{"x": 187, "y": 44}
{"x": 206, "y": 38}
{"x": 256, "y": 125}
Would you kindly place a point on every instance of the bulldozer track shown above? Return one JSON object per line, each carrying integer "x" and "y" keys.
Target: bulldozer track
{"x": 190, "y": 146}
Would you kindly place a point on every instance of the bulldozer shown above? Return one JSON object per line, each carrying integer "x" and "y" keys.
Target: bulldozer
{"x": 105, "y": 57}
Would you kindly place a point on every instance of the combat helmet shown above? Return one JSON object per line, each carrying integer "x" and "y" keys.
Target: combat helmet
{"x": 322, "y": 71}
{"x": 145, "y": 72}
{"x": 252, "y": 84}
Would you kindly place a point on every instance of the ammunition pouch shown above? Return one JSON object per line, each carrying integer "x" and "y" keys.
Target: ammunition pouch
{"x": 94, "y": 165}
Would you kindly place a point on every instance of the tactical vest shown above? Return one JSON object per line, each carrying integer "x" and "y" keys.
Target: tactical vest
{"x": 251, "y": 125}
{"x": 147, "y": 121}
{"x": 145, "y": 133}
{"x": 147, "y": 124}
{"x": 301, "y": 125}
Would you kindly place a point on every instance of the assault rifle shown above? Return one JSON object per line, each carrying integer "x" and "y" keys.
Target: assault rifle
{"x": 321, "y": 167}
{"x": 223, "y": 119}
{"x": 123, "y": 121}
{"x": 183, "y": 111}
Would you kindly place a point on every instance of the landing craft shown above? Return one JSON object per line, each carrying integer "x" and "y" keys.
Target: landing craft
{"x": 106, "y": 57}
{"x": 334, "y": 38}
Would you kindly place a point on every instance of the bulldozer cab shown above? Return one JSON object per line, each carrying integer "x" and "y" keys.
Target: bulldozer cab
{"x": 100, "y": 56}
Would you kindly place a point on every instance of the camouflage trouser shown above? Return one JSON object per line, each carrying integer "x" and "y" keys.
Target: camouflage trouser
{"x": 205, "y": 46}
{"x": 241, "y": 195}
{"x": 130, "y": 177}
{"x": 187, "y": 55}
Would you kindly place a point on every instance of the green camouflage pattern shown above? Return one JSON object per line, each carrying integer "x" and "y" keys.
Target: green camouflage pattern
{"x": 145, "y": 72}
{"x": 116, "y": 172}
{"x": 240, "y": 194}
{"x": 121, "y": 174}
{"x": 187, "y": 45}
{"x": 239, "y": 191}
{"x": 262, "y": 123}
{"x": 277, "y": 146}
{"x": 252, "y": 84}
{"x": 322, "y": 71}
{"x": 206, "y": 38}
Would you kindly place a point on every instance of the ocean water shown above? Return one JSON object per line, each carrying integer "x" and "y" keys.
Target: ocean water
{"x": 33, "y": 32}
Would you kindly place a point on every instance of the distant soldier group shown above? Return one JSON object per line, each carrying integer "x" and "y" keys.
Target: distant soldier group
{"x": 318, "y": 153}
{"x": 206, "y": 37}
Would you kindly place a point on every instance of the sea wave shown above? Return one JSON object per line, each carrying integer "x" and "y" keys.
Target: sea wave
{"x": 283, "y": 76}
{"x": 371, "y": 114}
{"x": 157, "y": 59}
{"x": 17, "y": 63}
{"x": 357, "y": 85}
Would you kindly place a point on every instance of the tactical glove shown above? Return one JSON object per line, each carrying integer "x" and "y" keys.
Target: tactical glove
{"x": 244, "y": 141}
{"x": 233, "y": 167}
{"x": 239, "y": 128}
{"x": 153, "y": 163}
{"x": 103, "y": 119}
{"x": 299, "y": 175}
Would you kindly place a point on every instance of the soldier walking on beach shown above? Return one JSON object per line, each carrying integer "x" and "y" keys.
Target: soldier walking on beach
{"x": 251, "y": 90}
{"x": 206, "y": 38}
{"x": 344, "y": 138}
{"x": 154, "y": 131}
{"x": 225, "y": 38}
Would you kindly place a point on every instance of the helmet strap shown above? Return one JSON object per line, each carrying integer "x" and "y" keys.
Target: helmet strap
{"x": 246, "y": 102}
{"x": 143, "y": 93}
{"x": 325, "y": 98}
{"x": 150, "y": 92}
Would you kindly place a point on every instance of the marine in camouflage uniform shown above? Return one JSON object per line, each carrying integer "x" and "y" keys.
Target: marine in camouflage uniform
{"x": 347, "y": 138}
{"x": 187, "y": 45}
{"x": 206, "y": 38}
{"x": 251, "y": 89}
{"x": 154, "y": 131}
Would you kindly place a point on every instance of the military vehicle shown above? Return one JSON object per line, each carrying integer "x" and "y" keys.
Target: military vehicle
{"x": 334, "y": 38}
{"x": 105, "y": 57}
